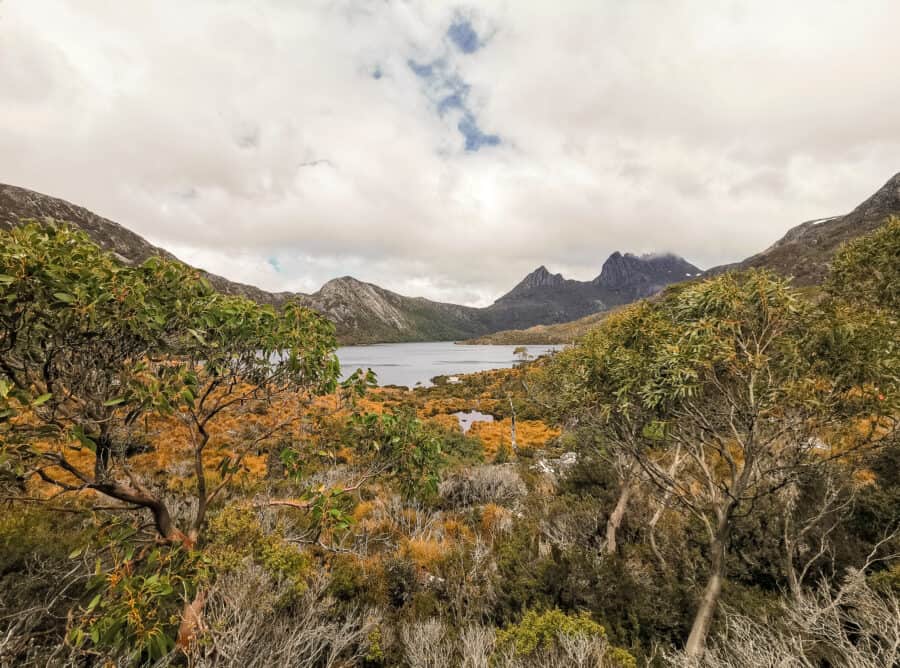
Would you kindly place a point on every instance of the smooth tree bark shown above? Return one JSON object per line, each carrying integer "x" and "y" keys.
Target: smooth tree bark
{"x": 618, "y": 514}
{"x": 696, "y": 641}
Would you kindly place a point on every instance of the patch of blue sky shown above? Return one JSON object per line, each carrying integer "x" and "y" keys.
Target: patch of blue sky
{"x": 450, "y": 93}
{"x": 474, "y": 135}
{"x": 463, "y": 35}
{"x": 426, "y": 71}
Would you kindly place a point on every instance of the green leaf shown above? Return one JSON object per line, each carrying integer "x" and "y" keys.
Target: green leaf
{"x": 64, "y": 297}
{"x": 197, "y": 335}
{"x": 43, "y": 399}
{"x": 162, "y": 646}
{"x": 114, "y": 402}
{"x": 76, "y": 553}
{"x": 84, "y": 439}
{"x": 94, "y": 603}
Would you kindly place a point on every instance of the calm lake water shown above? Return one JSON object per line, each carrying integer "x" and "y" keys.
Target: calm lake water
{"x": 412, "y": 363}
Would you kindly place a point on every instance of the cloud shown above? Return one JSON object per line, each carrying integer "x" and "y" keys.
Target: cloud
{"x": 450, "y": 95}
{"x": 445, "y": 150}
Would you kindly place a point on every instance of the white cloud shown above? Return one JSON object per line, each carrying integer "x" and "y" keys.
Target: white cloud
{"x": 236, "y": 133}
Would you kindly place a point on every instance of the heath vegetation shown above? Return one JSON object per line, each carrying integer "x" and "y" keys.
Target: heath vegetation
{"x": 707, "y": 478}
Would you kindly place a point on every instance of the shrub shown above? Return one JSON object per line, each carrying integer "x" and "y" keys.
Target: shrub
{"x": 542, "y": 630}
{"x": 498, "y": 483}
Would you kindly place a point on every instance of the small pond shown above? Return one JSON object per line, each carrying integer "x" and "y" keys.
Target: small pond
{"x": 468, "y": 418}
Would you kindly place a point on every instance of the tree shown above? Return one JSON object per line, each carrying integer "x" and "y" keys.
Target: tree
{"x": 866, "y": 271}
{"x": 521, "y": 352}
{"x": 87, "y": 346}
{"x": 579, "y": 382}
{"x": 740, "y": 378}
{"x": 242, "y": 354}
{"x": 78, "y": 333}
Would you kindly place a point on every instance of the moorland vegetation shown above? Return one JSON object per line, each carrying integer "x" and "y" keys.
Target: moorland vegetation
{"x": 709, "y": 478}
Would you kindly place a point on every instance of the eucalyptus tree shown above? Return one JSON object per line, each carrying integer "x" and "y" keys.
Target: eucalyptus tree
{"x": 79, "y": 333}
{"x": 88, "y": 346}
{"x": 740, "y": 379}
{"x": 579, "y": 384}
{"x": 240, "y": 356}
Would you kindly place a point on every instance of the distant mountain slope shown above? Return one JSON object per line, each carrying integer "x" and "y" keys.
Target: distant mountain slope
{"x": 562, "y": 332}
{"x": 803, "y": 253}
{"x": 19, "y": 203}
{"x": 366, "y": 313}
{"x": 371, "y": 314}
{"x": 806, "y": 250}
{"x": 542, "y": 298}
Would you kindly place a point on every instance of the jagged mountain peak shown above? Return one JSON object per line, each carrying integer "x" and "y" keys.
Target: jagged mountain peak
{"x": 536, "y": 280}
{"x": 341, "y": 281}
{"x": 643, "y": 274}
{"x": 541, "y": 277}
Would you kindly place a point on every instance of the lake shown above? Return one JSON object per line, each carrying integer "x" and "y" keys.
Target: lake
{"x": 412, "y": 363}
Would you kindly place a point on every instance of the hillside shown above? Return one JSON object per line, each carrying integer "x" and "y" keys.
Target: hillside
{"x": 542, "y": 298}
{"x": 805, "y": 252}
{"x": 562, "y": 332}
{"x": 366, "y": 313}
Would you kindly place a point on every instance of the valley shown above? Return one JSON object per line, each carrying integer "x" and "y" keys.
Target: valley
{"x": 543, "y": 308}
{"x": 429, "y": 334}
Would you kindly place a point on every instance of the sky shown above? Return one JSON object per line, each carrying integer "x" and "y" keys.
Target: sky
{"x": 445, "y": 150}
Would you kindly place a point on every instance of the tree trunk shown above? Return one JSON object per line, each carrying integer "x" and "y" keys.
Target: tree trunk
{"x": 615, "y": 518}
{"x": 512, "y": 428}
{"x": 791, "y": 571}
{"x": 162, "y": 519}
{"x": 696, "y": 642}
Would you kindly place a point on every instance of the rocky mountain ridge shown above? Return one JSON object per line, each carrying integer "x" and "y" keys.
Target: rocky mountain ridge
{"x": 803, "y": 254}
{"x": 366, "y": 313}
{"x": 636, "y": 277}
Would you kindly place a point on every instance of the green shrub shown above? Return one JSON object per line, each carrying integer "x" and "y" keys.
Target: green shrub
{"x": 237, "y": 537}
{"x": 541, "y": 630}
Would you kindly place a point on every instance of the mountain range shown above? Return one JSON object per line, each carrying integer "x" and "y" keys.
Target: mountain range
{"x": 366, "y": 313}
{"x": 547, "y": 306}
{"x": 803, "y": 254}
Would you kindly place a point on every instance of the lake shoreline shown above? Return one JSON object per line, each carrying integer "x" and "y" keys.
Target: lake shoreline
{"x": 416, "y": 364}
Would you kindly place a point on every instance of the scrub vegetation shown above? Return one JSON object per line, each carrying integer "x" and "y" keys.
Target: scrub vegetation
{"x": 708, "y": 478}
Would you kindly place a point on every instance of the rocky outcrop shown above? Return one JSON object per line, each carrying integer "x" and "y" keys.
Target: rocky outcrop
{"x": 635, "y": 276}
{"x": 542, "y": 298}
{"x": 539, "y": 278}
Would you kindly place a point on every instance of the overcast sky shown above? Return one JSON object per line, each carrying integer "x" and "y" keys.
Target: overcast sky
{"x": 444, "y": 150}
